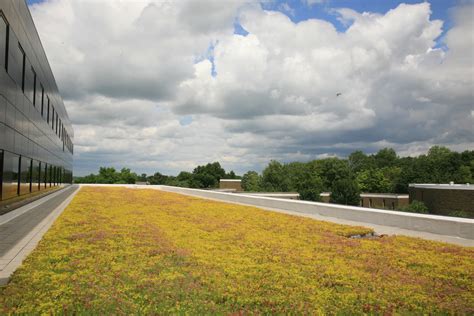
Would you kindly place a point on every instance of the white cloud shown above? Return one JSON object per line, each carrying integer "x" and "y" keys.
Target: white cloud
{"x": 132, "y": 71}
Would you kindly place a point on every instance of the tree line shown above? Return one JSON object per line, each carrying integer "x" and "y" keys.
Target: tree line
{"x": 382, "y": 172}
{"x": 202, "y": 177}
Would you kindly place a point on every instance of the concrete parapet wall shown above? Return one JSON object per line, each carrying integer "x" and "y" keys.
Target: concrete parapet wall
{"x": 442, "y": 225}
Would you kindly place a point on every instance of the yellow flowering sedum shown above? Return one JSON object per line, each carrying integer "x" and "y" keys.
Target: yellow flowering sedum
{"x": 126, "y": 251}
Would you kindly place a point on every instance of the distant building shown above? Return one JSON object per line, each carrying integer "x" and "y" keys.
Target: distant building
{"x": 36, "y": 135}
{"x": 444, "y": 199}
{"x": 230, "y": 184}
{"x": 376, "y": 200}
{"x": 383, "y": 200}
{"x": 325, "y": 197}
{"x": 142, "y": 182}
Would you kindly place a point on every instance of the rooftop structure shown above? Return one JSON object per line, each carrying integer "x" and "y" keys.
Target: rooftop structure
{"x": 445, "y": 199}
{"x": 230, "y": 184}
{"x": 449, "y": 186}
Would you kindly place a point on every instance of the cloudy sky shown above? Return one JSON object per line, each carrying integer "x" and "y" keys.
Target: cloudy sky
{"x": 166, "y": 85}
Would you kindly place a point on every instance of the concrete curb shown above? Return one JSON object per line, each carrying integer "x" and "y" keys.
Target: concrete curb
{"x": 15, "y": 256}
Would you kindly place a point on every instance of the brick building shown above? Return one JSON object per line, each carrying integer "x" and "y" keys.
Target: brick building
{"x": 443, "y": 199}
{"x": 230, "y": 184}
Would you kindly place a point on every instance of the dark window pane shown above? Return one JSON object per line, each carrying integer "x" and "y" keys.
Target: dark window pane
{"x": 23, "y": 67}
{"x": 25, "y": 175}
{"x": 10, "y": 175}
{"x": 47, "y": 115}
{"x": 42, "y": 100}
{"x": 29, "y": 81}
{"x": 3, "y": 40}
{"x": 45, "y": 175}
{"x": 15, "y": 59}
{"x": 36, "y": 176}
{"x": 50, "y": 175}
{"x": 34, "y": 87}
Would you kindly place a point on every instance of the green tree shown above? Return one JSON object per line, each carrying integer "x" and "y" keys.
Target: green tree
{"x": 345, "y": 191}
{"x": 463, "y": 175}
{"x": 91, "y": 178}
{"x": 158, "y": 178}
{"x": 126, "y": 176}
{"x": 358, "y": 161}
{"x": 107, "y": 175}
{"x": 330, "y": 170}
{"x": 207, "y": 176}
{"x": 310, "y": 187}
{"x": 386, "y": 157}
{"x": 274, "y": 178}
{"x": 231, "y": 175}
{"x": 296, "y": 173}
{"x": 252, "y": 181}
{"x": 184, "y": 179}
{"x": 373, "y": 181}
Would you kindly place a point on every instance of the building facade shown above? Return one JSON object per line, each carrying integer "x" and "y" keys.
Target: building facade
{"x": 387, "y": 201}
{"x": 230, "y": 184}
{"x": 444, "y": 199}
{"x": 383, "y": 200}
{"x": 36, "y": 148}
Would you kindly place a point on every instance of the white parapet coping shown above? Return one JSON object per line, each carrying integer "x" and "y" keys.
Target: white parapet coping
{"x": 435, "y": 224}
{"x": 272, "y": 194}
{"x": 442, "y": 186}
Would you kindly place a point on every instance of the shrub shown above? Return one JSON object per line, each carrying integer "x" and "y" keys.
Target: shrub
{"x": 345, "y": 191}
{"x": 310, "y": 188}
{"x": 461, "y": 213}
{"x": 415, "y": 207}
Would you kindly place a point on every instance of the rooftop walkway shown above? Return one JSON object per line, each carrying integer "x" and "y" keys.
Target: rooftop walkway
{"x": 22, "y": 229}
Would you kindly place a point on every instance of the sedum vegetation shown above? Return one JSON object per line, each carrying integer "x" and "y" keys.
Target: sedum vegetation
{"x": 126, "y": 251}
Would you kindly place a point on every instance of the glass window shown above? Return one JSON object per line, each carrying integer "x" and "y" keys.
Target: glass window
{"x": 23, "y": 64}
{"x": 45, "y": 175}
{"x": 34, "y": 86}
{"x": 25, "y": 175}
{"x": 10, "y": 175}
{"x": 56, "y": 175}
{"x": 30, "y": 77}
{"x": 47, "y": 116}
{"x": 3, "y": 41}
{"x": 36, "y": 176}
{"x": 15, "y": 58}
{"x": 50, "y": 175}
{"x": 42, "y": 100}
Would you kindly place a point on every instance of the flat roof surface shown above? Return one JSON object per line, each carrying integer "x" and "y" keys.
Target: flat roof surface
{"x": 442, "y": 186}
